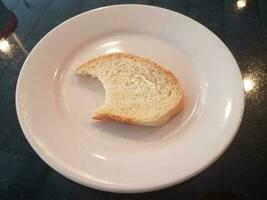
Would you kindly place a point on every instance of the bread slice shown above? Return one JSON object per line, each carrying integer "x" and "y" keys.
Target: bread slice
{"x": 138, "y": 91}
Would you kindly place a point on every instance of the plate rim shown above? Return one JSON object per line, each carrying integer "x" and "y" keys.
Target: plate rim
{"x": 109, "y": 187}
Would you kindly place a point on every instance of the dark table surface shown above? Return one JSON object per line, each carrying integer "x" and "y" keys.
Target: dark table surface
{"x": 240, "y": 173}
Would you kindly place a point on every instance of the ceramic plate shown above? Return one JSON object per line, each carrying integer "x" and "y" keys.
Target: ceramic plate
{"x": 54, "y": 105}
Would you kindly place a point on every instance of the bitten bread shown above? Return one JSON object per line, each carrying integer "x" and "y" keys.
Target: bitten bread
{"x": 138, "y": 91}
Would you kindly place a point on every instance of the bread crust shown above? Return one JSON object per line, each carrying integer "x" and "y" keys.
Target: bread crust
{"x": 163, "y": 119}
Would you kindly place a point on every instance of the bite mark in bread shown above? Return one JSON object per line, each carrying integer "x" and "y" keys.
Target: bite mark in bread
{"x": 138, "y": 91}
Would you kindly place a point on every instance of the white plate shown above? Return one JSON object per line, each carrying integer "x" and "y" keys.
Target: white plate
{"x": 54, "y": 105}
